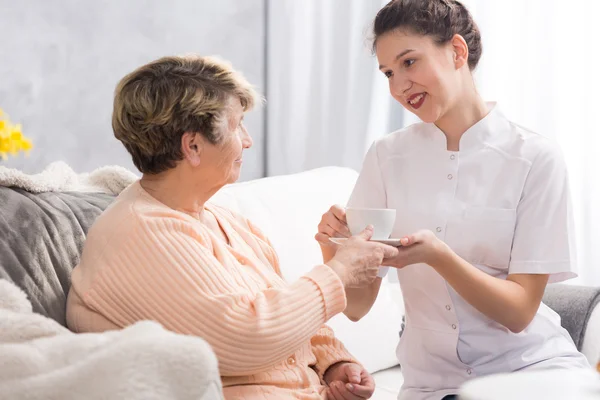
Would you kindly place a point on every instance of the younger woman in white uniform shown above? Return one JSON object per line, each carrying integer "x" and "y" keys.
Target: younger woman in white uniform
{"x": 482, "y": 209}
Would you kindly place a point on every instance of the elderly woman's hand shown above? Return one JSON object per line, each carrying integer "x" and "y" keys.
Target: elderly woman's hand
{"x": 348, "y": 381}
{"x": 357, "y": 261}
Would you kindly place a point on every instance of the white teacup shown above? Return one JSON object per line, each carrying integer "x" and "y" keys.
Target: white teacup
{"x": 382, "y": 220}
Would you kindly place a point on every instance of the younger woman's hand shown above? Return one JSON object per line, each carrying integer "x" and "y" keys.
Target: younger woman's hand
{"x": 333, "y": 224}
{"x": 420, "y": 247}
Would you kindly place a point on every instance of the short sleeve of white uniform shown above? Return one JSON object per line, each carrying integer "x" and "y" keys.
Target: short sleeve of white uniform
{"x": 544, "y": 240}
{"x": 369, "y": 190}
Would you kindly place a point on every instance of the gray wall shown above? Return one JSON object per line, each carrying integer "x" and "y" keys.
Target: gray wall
{"x": 61, "y": 60}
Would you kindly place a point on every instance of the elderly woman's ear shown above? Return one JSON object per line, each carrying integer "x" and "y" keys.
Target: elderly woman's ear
{"x": 192, "y": 145}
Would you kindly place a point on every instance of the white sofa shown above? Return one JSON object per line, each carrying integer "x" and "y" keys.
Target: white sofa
{"x": 288, "y": 209}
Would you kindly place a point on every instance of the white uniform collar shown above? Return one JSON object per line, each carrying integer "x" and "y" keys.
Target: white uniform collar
{"x": 477, "y": 135}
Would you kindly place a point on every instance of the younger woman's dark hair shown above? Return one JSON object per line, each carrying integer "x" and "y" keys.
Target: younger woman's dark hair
{"x": 440, "y": 19}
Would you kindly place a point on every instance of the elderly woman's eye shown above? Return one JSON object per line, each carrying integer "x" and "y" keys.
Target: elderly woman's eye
{"x": 388, "y": 74}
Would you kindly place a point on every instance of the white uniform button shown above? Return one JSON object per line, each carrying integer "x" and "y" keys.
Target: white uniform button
{"x": 450, "y": 177}
{"x": 453, "y": 326}
{"x": 448, "y": 307}
{"x": 452, "y": 157}
{"x": 469, "y": 371}
{"x": 438, "y": 229}
{"x": 291, "y": 361}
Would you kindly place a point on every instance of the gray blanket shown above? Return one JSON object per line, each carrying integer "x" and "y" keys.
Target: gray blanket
{"x": 574, "y": 304}
{"x": 41, "y": 237}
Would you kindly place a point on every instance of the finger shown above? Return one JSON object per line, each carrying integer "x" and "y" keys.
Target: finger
{"x": 417, "y": 237}
{"x": 353, "y": 373}
{"x": 389, "y": 251}
{"x": 339, "y": 226}
{"x": 324, "y": 239}
{"x": 335, "y": 392}
{"x": 366, "y": 387}
{"x": 327, "y": 230}
{"x": 341, "y": 392}
{"x": 367, "y": 380}
{"x": 360, "y": 391}
{"x": 408, "y": 240}
{"x": 407, "y": 255}
{"x": 366, "y": 233}
{"x": 339, "y": 212}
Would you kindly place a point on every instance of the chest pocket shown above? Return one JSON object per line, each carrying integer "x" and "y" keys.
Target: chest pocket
{"x": 484, "y": 235}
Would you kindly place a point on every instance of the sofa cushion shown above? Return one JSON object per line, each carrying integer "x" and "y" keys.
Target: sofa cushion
{"x": 574, "y": 304}
{"x": 42, "y": 237}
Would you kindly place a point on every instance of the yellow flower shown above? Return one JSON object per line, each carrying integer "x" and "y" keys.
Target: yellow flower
{"x": 11, "y": 138}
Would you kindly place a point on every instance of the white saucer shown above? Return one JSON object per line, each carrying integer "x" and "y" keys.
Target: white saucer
{"x": 389, "y": 242}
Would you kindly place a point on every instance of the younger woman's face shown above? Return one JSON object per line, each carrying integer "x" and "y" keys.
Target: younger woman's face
{"x": 423, "y": 75}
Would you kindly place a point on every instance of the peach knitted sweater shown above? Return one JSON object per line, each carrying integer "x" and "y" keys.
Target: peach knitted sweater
{"x": 144, "y": 260}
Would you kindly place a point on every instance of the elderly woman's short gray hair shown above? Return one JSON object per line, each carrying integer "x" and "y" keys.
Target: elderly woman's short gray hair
{"x": 160, "y": 101}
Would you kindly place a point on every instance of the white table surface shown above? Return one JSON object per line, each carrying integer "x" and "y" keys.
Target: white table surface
{"x": 543, "y": 385}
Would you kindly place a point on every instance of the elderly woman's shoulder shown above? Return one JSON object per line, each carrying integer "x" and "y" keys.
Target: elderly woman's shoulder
{"x": 134, "y": 209}
{"x": 230, "y": 215}
{"x": 239, "y": 220}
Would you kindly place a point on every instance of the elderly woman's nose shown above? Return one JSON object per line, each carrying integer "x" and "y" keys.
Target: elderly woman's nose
{"x": 246, "y": 139}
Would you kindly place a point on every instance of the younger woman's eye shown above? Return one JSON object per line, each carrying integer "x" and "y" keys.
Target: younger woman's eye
{"x": 388, "y": 74}
{"x": 409, "y": 61}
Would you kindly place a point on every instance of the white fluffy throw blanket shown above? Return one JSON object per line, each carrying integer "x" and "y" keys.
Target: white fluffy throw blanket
{"x": 40, "y": 359}
{"x": 59, "y": 177}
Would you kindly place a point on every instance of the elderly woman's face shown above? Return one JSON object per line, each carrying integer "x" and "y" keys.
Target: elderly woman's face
{"x": 227, "y": 155}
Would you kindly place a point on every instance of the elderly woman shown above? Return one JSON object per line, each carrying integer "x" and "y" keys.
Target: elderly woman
{"x": 163, "y": 252}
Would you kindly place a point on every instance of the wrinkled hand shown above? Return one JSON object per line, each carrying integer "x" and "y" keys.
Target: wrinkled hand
{"x": 348, "y": 381}
{"x": 357, "y": 261}
{"x": 333, "y": 224}
{"x": 421, "y": 247}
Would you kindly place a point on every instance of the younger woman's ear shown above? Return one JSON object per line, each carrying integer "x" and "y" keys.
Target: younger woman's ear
{"x": 191, "y": 147}
{"x": 461, "y": 51}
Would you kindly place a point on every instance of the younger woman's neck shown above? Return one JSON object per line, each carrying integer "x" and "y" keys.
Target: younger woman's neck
{"x": 467, "y": 111}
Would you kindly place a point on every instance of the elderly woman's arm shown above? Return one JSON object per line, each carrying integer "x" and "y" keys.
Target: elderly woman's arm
{"x": 328, "y": 350}
{"x": 168, "y": 275}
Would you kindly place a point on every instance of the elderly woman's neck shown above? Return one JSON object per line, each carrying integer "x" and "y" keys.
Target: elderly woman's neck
{"x": 175, "y": 191}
